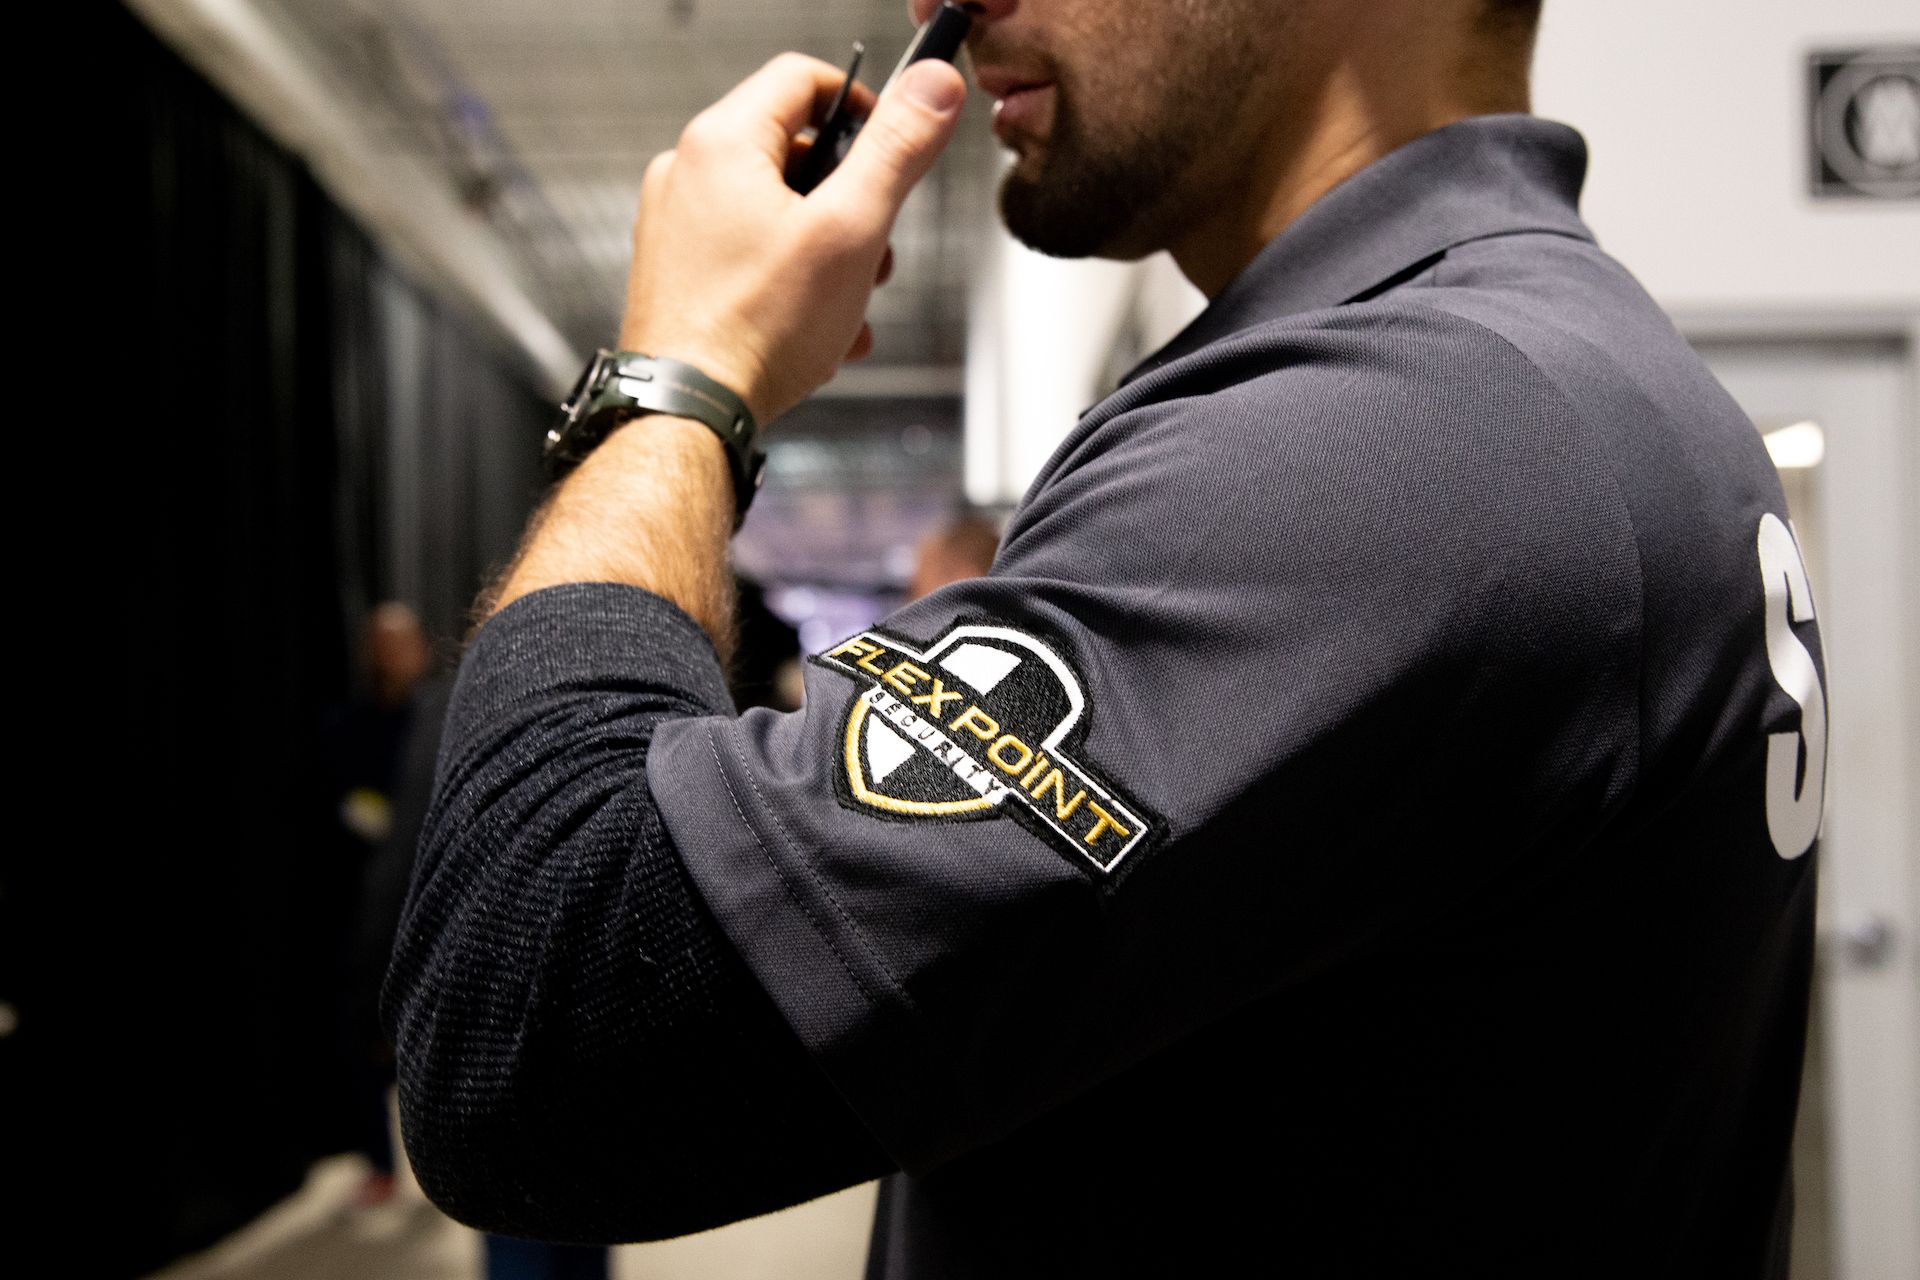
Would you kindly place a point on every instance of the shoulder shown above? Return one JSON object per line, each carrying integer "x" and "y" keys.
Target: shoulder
{"x": 1373, "y": 428}
{"x": 1385, "y": 460}
{"x": 1390, "y": 384}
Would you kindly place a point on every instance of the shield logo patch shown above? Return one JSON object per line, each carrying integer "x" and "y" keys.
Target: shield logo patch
{"x": 986, "y": 721}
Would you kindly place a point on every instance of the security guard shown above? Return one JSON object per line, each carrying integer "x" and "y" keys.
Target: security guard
{"x": 1362, "y": 824}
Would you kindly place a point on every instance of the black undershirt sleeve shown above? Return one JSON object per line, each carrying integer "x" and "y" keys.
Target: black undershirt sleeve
{"x": 582, "y": 1055}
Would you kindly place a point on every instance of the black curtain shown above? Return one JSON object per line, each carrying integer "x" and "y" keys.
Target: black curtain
{"x": 296, "y": 433}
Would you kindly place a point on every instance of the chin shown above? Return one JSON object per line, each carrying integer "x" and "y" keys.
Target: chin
{"x": 1045, "y": 224}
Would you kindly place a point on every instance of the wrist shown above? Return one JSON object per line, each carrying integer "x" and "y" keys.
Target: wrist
{"x": 732, "y": 370}
{"x": 620, "y": 386}
{"x": 691, "y": 441}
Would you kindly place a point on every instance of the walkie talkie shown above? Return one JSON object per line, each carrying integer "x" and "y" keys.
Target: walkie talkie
{"x": 941, "y": 36}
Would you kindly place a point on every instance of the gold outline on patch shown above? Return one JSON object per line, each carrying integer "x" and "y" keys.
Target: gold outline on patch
{"x": 891, "y": 803}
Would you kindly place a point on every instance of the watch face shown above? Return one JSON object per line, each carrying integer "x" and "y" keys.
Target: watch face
{"x": 589, "y": 381}
{"x": 559, "y": 448}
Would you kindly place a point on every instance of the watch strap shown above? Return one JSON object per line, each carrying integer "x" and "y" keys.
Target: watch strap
{"x": 619, "y": 385}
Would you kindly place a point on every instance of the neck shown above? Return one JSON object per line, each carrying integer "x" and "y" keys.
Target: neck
{"x": 1293, "y": 153}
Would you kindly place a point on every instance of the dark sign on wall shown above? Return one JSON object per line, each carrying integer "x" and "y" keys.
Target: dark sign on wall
{"x": 1864, "y": 118}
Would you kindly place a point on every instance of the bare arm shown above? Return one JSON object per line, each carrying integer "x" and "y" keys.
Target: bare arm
{"x": 651, "y": 507}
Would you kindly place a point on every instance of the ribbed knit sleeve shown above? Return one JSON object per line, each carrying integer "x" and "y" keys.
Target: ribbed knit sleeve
{"x": 582, "y": 1055}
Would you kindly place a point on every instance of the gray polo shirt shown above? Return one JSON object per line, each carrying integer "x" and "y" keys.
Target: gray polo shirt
{"x": 1362, "y": 824}
{"x": 1358, "y": 816}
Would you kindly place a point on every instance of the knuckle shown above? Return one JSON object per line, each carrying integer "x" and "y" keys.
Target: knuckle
{"x": 652, "y": 182}
{"x": 843, "y": 233}
{"x": 700, "y": 133}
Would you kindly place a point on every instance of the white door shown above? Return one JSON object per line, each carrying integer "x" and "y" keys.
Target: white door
{"x": 1844, "y": 422}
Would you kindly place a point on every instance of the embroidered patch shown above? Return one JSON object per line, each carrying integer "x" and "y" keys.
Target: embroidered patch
{"x": 985, "y": 721}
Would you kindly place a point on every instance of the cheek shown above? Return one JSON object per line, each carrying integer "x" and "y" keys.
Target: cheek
{"x": 1118, "y": 87}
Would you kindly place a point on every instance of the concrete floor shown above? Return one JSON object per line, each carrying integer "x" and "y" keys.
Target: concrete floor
{"x": 318, "y": 1234}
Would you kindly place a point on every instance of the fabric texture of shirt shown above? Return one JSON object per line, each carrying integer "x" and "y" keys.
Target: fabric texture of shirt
{"x": 1362, "y": 821}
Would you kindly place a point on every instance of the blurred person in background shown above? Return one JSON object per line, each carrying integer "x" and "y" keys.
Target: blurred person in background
{"x": 1361, "y": 825}
{"x": 960, "y": 549}
{"x": 364, "y": 744}
{"x": 365, "y": 736}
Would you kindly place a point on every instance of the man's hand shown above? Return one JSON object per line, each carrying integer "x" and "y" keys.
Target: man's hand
{"x": 762, "y": 288}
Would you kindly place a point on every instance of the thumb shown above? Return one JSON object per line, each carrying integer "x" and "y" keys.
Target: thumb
{"x": 909, "y": 127}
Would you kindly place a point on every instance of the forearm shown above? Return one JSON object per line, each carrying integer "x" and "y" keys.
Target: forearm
{"x": 581, "y": 1053}
{"x": 760, "y": 288}
{"x": 651, "y": 507}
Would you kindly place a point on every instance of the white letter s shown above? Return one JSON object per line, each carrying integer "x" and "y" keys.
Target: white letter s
{"x": 1793, "y": 813}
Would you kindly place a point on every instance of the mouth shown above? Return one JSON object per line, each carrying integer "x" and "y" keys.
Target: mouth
{"x": 999, "y": 81}
{"x": 1022, "y": 109}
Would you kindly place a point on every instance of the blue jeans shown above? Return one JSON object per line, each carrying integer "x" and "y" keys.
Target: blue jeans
{"x": 509, "y": 1258}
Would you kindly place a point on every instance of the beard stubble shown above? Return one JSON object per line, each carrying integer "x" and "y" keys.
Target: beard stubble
{"x": 1115, "y": 189}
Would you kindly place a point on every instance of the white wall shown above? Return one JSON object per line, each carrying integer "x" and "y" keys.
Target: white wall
{"x": 1038, "y": 333}
{"x": 1695, "y": 113}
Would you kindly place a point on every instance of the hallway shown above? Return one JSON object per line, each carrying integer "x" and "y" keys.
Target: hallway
{"x": 318, "y": 1234}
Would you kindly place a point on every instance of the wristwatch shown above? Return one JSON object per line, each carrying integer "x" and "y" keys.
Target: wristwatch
{"x": 619, "y": 385}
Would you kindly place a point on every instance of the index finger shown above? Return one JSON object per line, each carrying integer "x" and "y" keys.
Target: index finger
{"x": 785, "y": 96}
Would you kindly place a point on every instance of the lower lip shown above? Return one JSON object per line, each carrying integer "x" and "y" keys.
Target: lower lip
{"x": 1024, "y": 111}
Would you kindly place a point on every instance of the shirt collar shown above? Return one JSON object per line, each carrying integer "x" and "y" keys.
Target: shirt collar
{"x": 1483, "y": 176}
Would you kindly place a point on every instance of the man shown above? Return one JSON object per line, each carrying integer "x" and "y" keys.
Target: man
{"x": 961, "y": 548}
{"x": 1360, "y": 826}
{"x": 364, "y": 746}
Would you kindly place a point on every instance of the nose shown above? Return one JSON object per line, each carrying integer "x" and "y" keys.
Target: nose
{"x": 982, "y": 10}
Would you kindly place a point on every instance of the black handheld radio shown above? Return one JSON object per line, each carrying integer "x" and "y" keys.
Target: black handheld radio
{"x": 939, "y": 37}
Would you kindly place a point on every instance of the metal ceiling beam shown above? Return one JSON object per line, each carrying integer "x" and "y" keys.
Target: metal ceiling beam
{"x": 407, "y": 208}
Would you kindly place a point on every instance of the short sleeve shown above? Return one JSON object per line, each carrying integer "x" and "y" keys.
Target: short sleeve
{"x": 1276, "y": 673}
